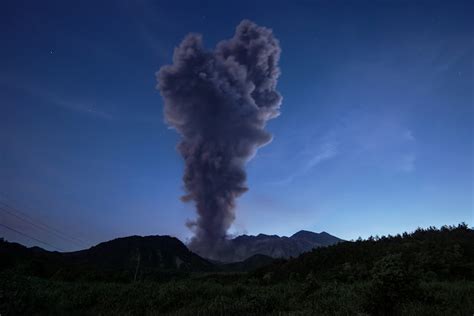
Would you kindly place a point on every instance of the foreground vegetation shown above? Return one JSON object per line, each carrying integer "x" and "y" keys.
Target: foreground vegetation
{"x": 230, "y": 295}
{"x": 428, "y": 272}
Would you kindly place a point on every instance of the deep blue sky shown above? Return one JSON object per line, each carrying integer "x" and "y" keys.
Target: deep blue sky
{"x": 375, "y": 135}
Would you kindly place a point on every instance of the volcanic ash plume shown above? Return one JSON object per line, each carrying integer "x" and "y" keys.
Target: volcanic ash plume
{"x": 219, "y": 102}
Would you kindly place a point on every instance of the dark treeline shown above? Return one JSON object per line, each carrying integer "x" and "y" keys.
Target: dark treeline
{"x": 427, "y": 272}
{"x": 429, "y": 254}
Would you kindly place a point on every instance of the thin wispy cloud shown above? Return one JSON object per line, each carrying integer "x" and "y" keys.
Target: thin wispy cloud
{"x": 379, "y": 139}
{"x": 150, "y": 20}
{"x": 407, "y": 162}
{"x": 82, "y": 107}
{"x": 370, "y": 140}
{"x": 325, "y": 151}
{"x": 71, "y": 104}
{"x": 408, "y": 136}
{"x": 390, "y": 147}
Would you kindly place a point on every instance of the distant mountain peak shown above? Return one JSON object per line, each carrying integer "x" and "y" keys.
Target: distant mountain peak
{"x": 303, "y": 233}
{"x": 245, "y": 246}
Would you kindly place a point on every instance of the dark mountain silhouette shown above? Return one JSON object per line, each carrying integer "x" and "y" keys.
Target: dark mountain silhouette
{"x": 121, "y": 259}
{"x": 149, "y": 252}
{"x": 154, "y": 257}
{"x": 245, "y": 246}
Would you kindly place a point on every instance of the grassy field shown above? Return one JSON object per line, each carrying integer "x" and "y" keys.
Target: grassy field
{"x": 229, "y": 294}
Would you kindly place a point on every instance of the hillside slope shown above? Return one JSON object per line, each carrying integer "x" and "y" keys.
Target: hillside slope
{"x": 447, "y": 253}
{"x": 148, "y": 252}
{"x": 121, "y": 259}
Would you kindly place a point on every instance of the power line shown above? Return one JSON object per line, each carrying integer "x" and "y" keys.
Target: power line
{"x": 11, "y": 210}
{"x": 34, "y": 224}
{"x": 24, "y": 217}
{"x": 32, "y": 238}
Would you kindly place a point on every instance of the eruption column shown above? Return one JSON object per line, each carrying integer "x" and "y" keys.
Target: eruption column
{"x": 219, "y": 102}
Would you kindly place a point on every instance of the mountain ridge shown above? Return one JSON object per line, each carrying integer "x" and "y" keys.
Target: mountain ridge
{"x": 136, "y": 256}
{"x": 245, "y": 246}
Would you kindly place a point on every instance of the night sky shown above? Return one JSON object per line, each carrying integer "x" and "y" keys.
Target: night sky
{"x": 375, "y": 134}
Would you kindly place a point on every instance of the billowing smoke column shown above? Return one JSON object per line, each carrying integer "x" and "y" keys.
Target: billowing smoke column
{"x": 219, "y": 101}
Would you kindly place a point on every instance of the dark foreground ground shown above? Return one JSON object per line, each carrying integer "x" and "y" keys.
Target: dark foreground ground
{"x": 224, "y": 295}
{"x": 428, "y": 272}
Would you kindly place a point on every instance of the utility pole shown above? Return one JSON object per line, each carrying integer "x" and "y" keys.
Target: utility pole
{"x": 138, "y": 265}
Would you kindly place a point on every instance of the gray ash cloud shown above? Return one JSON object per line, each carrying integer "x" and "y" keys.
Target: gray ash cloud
{"x": 219, "y": 102}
